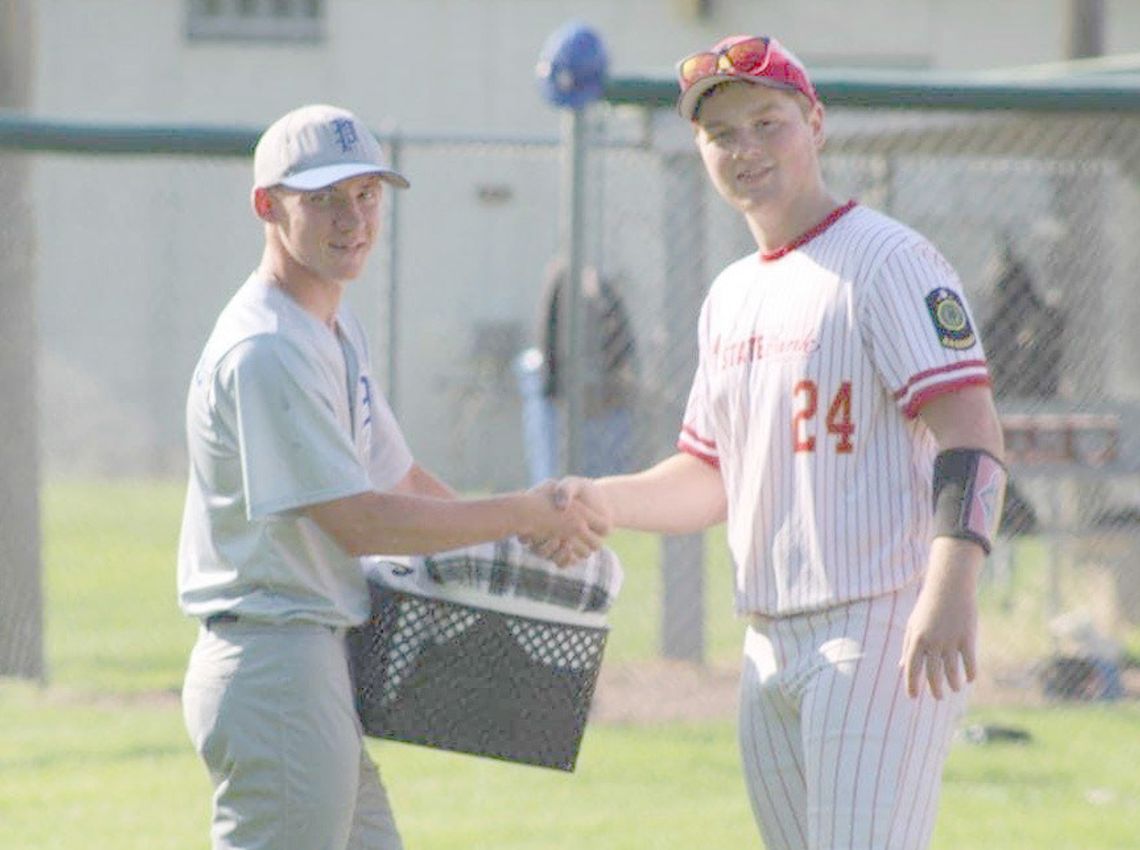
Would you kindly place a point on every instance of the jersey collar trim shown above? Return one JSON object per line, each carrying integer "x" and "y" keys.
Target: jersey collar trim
{"x": 808, "y": 235}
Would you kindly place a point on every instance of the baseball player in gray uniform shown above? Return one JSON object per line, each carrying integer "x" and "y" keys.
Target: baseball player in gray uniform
{"x": 297, "y": 469}
{"x": 841, "y": 390}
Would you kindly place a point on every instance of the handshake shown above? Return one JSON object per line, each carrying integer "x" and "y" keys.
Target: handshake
{"x": 571, "y": 517}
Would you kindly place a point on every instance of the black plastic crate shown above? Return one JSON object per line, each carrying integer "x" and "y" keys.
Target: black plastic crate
{"x": 474, "y": 680}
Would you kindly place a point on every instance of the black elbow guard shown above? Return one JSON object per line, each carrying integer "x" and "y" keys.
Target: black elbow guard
{"x": 969, "y": 489}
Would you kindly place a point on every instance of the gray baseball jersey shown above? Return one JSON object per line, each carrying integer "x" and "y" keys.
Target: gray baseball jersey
{"x": 282, "y": 413}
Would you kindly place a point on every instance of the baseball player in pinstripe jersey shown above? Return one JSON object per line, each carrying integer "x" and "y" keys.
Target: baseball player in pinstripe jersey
{"x": 298, "y": 468}
{"x": 841, "y": 391}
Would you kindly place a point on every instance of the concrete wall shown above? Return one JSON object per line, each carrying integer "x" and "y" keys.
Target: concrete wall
{"x": 136, "y": 256}
{"x": 467, "y": 64}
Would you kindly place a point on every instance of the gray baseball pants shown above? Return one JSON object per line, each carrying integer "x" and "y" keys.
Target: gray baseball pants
{"x": 270, "y": 710}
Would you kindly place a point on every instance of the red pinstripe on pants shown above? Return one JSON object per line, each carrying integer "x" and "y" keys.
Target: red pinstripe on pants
{"x": 835, "y": 754}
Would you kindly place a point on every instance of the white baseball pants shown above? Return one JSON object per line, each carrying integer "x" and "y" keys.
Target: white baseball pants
{"x": 835, "y": 754}
{"x": 270, "y": 710}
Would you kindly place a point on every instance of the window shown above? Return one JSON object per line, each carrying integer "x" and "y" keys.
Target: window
{"x": 263, "y": 20}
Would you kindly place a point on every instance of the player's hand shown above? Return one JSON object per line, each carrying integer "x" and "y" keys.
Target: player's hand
{"x": 574, "y": 488}
{"x": 568, "y": 492}
{"x": 568, "y": 530}
{"x": 940, "y": 643}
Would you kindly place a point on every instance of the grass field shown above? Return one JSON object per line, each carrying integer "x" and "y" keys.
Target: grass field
{"x": 99, "y": 758}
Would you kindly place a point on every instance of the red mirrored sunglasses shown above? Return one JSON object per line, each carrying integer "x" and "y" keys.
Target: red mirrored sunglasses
{"x": 743, "y": 57}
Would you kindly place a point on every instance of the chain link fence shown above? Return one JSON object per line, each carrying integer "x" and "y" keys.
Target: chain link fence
{"x": 1037, "y": 210}
{"x": 139, "y": 243}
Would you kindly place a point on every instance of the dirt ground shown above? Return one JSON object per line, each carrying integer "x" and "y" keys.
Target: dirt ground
{"x": 662, "y": 691}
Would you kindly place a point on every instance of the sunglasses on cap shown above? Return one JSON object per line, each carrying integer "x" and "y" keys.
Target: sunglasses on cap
{"x": 747, "y": 57}
{"x": 754, "y": 58}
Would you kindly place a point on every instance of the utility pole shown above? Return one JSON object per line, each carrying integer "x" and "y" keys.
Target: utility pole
{"x": 1085, "y": 29}
{"x": 21, "y": 585}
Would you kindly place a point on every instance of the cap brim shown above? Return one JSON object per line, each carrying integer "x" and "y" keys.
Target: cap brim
{"x": 687, "y": 103}
{"x": 319, "y": 178}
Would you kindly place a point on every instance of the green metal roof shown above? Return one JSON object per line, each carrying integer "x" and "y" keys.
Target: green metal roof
{"x": 1103, "y": 84}
{"x": 1093, "y": 85}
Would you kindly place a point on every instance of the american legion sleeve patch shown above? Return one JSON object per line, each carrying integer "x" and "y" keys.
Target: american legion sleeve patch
{"x": 951, "y": 322}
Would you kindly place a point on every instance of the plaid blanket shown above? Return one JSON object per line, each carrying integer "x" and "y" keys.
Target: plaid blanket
{"x": 507, "y": 568}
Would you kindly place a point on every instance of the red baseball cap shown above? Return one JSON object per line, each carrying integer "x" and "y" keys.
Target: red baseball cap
{"x": 753, "y": 58}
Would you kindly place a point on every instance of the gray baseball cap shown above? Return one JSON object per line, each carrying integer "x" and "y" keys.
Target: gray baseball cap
{"x": 315, "y": 146}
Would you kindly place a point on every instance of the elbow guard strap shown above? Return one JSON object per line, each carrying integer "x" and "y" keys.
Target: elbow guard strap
{"x": 969, "y": 489}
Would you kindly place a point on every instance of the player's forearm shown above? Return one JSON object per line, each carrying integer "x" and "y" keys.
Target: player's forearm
{"x": 396, "y": 524}
{"x": 955, "y": 564}
{"x": 420, "y": 482}
{"x": 680, "y": 495}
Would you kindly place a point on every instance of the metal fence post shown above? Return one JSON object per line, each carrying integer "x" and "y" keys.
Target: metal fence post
{"x": 21, "y": 581}
{"x": 682, "y": 556}
{"x": 573, "y": 191}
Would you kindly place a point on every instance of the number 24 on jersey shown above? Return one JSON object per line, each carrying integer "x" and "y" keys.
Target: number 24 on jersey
{"x": 837, "y": 422}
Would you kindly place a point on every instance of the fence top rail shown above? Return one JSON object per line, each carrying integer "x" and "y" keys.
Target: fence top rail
{"x": 925, "y": 90}
{"x": 21, "y": 131}
{"x": 864, "y": 89}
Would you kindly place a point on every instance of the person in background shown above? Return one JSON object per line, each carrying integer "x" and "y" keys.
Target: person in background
{"x": 608, "y": 374}
{"x": 1026, "y": 335}
{"x": 1026, "y": 343}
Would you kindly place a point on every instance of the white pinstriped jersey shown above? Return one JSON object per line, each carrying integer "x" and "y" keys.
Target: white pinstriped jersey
{"x": 813, "y": 365}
